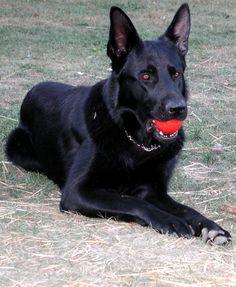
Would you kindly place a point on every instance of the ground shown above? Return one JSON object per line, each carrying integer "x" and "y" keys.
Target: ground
{"x": 65, "y": 41}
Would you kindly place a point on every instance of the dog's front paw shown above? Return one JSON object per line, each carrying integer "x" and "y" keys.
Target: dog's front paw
{"x": 216, "y": 236}
{"x": 210, "y": 232}
{"x": 173, "y": 225}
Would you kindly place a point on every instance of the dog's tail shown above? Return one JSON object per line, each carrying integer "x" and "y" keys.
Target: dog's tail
{"x": 19, "y": 150}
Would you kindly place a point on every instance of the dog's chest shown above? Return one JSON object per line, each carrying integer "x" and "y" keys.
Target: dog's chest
{"x": 125, "y": 170}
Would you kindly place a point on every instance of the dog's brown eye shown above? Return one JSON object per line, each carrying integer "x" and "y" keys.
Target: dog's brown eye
{"x": 176, "y": 75}
{"x": 145, "y": 76}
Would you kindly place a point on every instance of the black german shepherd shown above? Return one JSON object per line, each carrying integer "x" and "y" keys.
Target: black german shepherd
{"x": 99, "y": 144}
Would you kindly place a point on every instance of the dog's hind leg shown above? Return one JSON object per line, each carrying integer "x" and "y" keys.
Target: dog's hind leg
{"x": 19, "y": 150}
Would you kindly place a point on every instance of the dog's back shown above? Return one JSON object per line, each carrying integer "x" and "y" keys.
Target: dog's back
{"x": 36, "y": 144}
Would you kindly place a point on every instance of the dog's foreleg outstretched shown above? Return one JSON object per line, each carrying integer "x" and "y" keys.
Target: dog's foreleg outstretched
{"x": 81, "y": 195}
{"x": 201, "y": 226}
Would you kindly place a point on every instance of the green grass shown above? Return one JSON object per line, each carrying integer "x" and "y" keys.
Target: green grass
{"x": 66, "y": 41}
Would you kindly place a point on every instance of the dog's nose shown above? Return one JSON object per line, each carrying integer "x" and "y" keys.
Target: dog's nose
{"x": 176, "y": 109}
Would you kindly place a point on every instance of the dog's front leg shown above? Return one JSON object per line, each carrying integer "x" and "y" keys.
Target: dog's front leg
{"x": 208, "y": 229}
{"x": 81, "y": 195}
{"x": 99, "y": 202}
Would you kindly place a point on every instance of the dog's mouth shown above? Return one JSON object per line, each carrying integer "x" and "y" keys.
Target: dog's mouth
{"x": 150, "y": 135}
{"x": 165, "y": 137}
{"x": 156, "y": 137}
{"x": 158, "y": 134}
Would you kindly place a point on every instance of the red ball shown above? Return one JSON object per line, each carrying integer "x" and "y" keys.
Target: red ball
{"x": 168, "y": 127}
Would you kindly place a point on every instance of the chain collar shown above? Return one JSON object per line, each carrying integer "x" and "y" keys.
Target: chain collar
{"x": 148, "y": 149}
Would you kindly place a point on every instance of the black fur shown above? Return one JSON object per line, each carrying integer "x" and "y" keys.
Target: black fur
{"x": 98, "y": 143}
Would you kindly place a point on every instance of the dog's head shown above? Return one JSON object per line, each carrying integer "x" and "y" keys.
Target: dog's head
{"x": 148, "y": 77}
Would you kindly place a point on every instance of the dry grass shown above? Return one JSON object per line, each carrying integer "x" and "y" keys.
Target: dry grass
{"x": 65, "y": 41}
{"x": 42, "y": 247}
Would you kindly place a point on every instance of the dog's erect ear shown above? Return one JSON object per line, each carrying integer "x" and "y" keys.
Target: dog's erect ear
{"x": 178, "y": 31}
{"x": 123, "y": 36}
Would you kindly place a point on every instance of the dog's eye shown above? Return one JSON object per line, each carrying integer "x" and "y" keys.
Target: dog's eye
{"x": 145, "y": 76}
{"x": 176, "y": 75}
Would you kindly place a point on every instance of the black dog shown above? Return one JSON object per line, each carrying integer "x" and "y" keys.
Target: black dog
{"x": 99, "y": 144}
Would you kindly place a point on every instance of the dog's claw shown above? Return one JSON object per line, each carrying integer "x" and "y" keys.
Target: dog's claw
{"x": 217, "y": 237}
